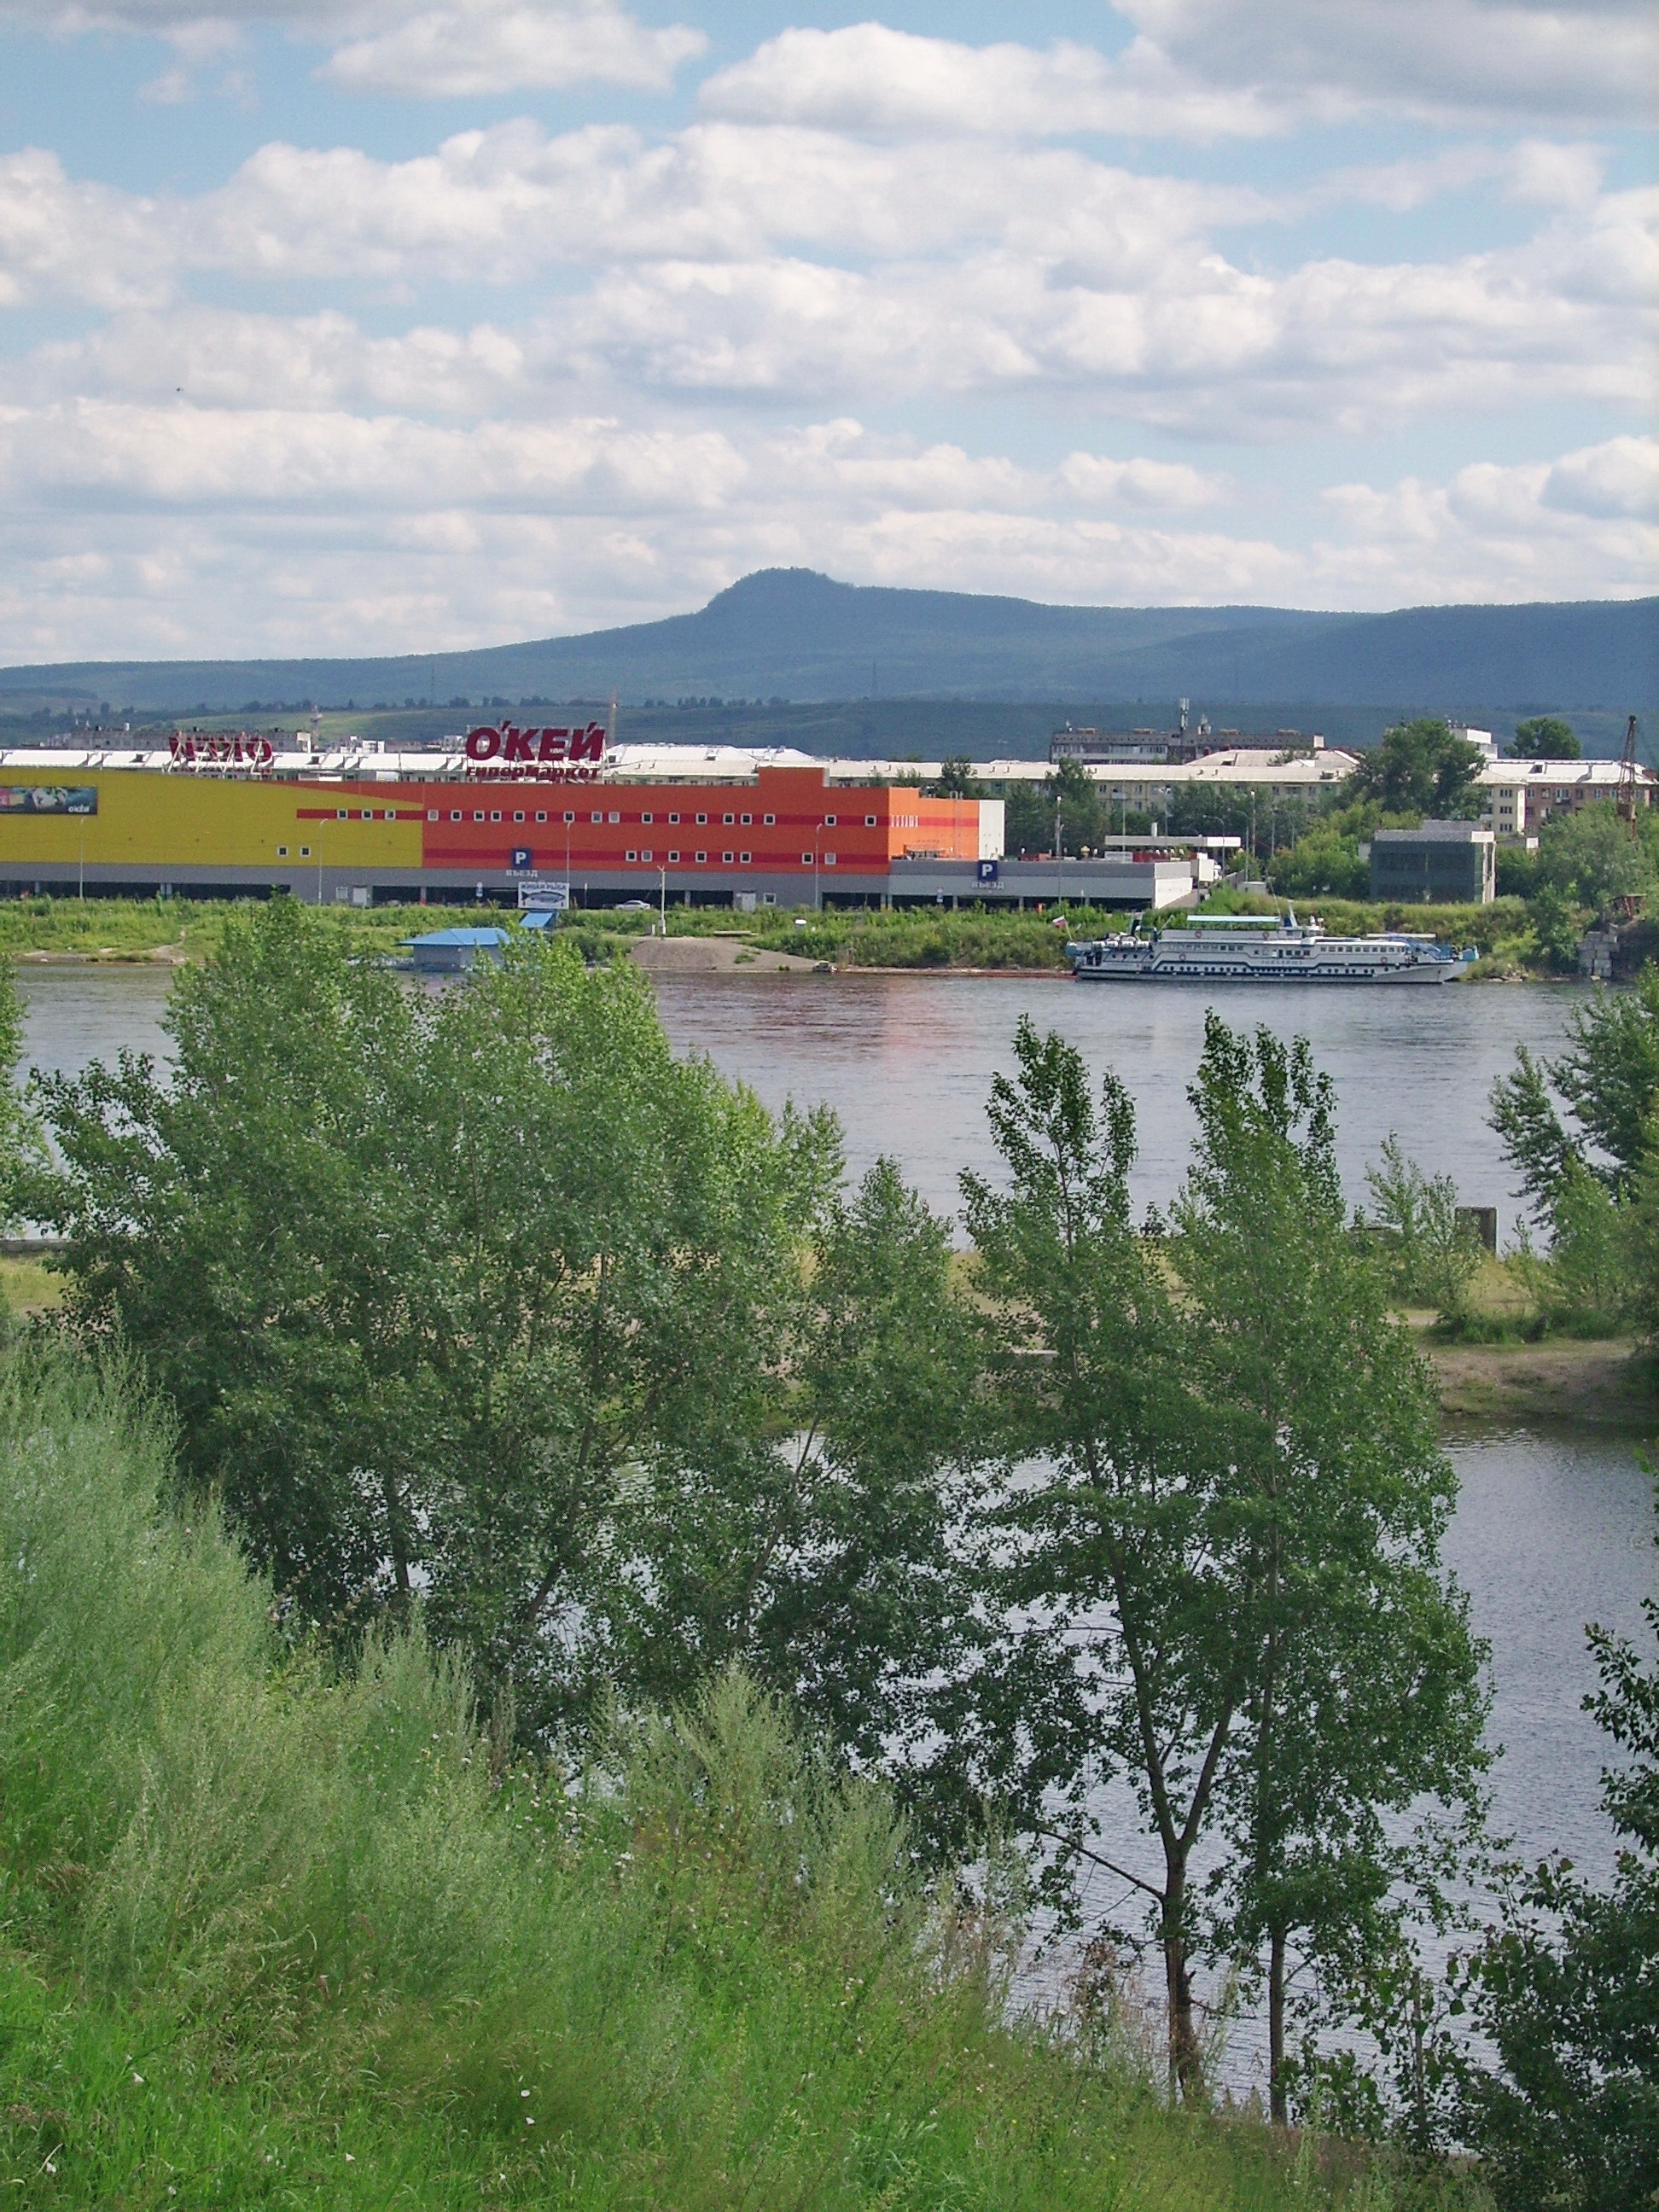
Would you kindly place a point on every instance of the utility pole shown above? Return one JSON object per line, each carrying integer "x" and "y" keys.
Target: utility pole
{"x": 1627, "y": 791}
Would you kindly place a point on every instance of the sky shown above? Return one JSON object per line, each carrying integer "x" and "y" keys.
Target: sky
{"x": 390, "y": 326}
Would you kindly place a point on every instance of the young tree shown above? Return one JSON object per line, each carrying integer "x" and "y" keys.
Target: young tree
{"x": 1567, "y": 1991}
{"x": 1218, "y": 1524}
{"x": 957, "y": 778}
{"x": 1418, "y": 767}
{"x": 1589, "y": 857}
{"x": 1361, "y": 1698}
{"x": 1430, "y": 1255}
{"x": 17, "y": 1147}
{"x": 1546, "y": 736}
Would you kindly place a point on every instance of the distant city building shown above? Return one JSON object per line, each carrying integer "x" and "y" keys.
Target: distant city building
{"x": 1521, "y": 795}
{"x": 1158, "y": 748}
{"x": 1449, "y": 862}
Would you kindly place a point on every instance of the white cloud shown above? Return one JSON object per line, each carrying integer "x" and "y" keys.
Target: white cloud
{"x": 1619, "y": 478}
{"x": 1589, "y": 61}
{"x": 869, "y": 77}
{"x": 478, "y": 47}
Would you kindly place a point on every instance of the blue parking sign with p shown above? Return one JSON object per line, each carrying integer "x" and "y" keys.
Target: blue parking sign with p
{"x": 989, "y": 870}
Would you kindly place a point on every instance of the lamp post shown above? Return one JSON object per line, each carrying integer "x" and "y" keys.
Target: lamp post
{"x": 662, "y": 899}
{"x": 818, "y": 896}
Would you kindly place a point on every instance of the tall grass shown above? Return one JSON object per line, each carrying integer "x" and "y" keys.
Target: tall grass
{"x": 276, "y": 1934}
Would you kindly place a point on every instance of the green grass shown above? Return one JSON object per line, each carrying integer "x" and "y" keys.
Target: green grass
{"x": 277, "y": 1935}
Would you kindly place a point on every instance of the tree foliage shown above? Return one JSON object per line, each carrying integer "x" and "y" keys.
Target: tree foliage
{"x": 1419, "y": 767}
{"x": 444, "y": 1289}
{"x": 1545, "y": 737}
{"x": 1430, "y": 1255}
{"x": 1589, "y": 856}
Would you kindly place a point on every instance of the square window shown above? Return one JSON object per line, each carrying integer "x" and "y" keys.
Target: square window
{"x": 615, "y": 817}
{"x": 631, "y": 856}
{"x": 478, "y": 818}
{"x": 343, "y": 815}
{"x": 455, "y": 814}
{"x": 542, "y": 816}
{"x": 305, "y": 852}
{"x": 728, "y": 858}
{"x": 828, "y": 821}
{"x": 747, "y": 819}
{"x": 702, "y": 856}
{"x": 807, "y": 859}
{"x": 495, "y": 814}
{"x": 644, "y": 817}
{"x": 431, "y": 813}
{"x": 768, "y": 819}
{"x": 646, "y": 854}
{"x": 702, "y": 819}
{"x": 599, "y": 817}
{"x": 673, "y": 856}
{"x": 768, "y": 898}
{"x": 282, "y": 852}
{"x": 829, "y": 859}
{"x": 518, "y": 816}
{"x": 869, "y": 820}
{"x": 673, "y": 818}
{"x": 745, "y": 858}
{"x": 366, "y": 814}
{"x": 726, "y": 818}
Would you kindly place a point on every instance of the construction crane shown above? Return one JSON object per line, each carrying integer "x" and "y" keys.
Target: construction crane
{"x": 1627, "y": 793}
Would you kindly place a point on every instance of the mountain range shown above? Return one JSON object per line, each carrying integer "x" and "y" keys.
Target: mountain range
{"x": 790, "y": 634}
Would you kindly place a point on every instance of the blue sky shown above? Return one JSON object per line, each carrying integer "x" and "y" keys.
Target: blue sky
{"x": 424, "y": 323}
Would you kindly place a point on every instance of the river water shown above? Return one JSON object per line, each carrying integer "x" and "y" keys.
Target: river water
{"x": 1552, "y": 1530}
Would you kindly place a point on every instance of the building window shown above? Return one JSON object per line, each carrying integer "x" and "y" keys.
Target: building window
{"x": 305, "y": 852}
{"x": 495, "y": 814}
{"x": 366, "y": 814}
{"x": 745, "y": 858}
{"x": 646, "y": 854}
{"x": 478, "y": 818}
{"x": 807, "y": 859}
{"x": 829, "y": 859}
{"x": 869, "y": 820}
{"x": 542, "y": 816}
{"x": 455, "y": 814}
{"x": 644, "y": 817}
{"x": 702, "y": 856}
{"x": 518, "y": 816}
{"x": 568, "y": 818}
{"x": 728, "y": 858}
{"x": 631, "y": 856}
{"x": 599, "y": 817}
{"x": 673, "y": 818}
{"x": 615, "y": 817}
{"x": 768, "y": 819}
{"x": 343, "y": 815}
{"x": 702, "y": 819}
{"x": 747, "y": 819}
{"x": 282, "y": 852}
{"x": 672, "y": 857}
{"x": 726, "y": 818}
{"x": 828, "y": 821}
{"x": 431, "y": 813}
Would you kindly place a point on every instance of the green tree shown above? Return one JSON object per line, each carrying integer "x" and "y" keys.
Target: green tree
{"x": 957, "y": 779}
{"x": 17, "y": 1145}
{"x": 435, "y": 1283}
{"x": 1076, "y": 798}
{"x": 1546, "y": 736}
{"x": 1431, "y": 1255}
{"x": 1212, "y": 1513}
{"x": 1359, "y": 1697}
{"x": 1419, "y": 767}
{"x": 1589, "y": 856}
{"x": 1567, "y": 1990}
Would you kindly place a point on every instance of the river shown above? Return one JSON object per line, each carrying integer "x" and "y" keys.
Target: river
{"x": 1551, "y": 1531}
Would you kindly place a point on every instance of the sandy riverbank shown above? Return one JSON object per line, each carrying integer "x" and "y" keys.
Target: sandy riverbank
{"x": 1599, "y": 1384}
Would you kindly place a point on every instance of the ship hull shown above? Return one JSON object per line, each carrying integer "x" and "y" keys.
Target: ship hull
{"x": 1428, "y": 972}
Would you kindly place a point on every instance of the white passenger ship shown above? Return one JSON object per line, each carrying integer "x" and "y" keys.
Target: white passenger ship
{"x": 1261, "y": 949}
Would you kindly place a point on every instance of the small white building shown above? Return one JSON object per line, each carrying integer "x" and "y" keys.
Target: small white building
{"x": 1521, "y": 795}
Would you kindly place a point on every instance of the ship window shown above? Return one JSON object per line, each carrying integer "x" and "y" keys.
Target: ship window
{"x": 282, "y": 852}
{"x": 768, "y": 819}
{"x": 305, "y": 852}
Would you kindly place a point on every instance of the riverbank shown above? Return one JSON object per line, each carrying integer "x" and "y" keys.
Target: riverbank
{"x": 1600, "y": 1385}
{"x": 982, "y": 941}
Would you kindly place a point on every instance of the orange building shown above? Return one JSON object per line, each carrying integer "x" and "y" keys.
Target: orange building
{"x": 228, "y": 815}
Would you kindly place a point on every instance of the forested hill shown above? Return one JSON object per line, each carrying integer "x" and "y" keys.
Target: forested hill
{"x": 792, "y": 634}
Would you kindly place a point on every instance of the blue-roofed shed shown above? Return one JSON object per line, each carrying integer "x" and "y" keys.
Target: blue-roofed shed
{"x": 449, "y": 952}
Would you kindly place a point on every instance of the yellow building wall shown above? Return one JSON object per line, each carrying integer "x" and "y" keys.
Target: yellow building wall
{"x": 147, "y": 821}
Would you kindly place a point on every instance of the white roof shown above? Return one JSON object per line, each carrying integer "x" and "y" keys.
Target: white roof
{"x": 1561, "y": 774}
